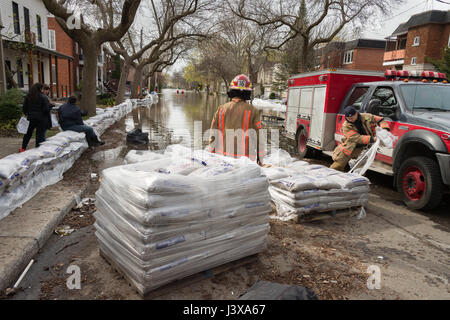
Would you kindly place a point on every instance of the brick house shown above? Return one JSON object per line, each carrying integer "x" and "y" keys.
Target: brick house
{"x": 424, "y": 35}
{"x": 359, "y": 54}
{"x": 65, "y": 72}
{"x": 28, "y": 46}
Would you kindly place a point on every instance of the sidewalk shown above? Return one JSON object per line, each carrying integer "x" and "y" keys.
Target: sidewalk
{"x": 25, "y": 231}
{"x": 12, "y": 145}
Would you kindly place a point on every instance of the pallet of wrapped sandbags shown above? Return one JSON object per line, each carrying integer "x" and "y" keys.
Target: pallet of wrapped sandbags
{"x": 179, "y": 214}
{"x": 300, "y": 189}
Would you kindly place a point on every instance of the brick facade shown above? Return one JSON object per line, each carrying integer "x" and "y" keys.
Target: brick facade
{"x": 332, "y": 56}
{"x": 366, "y": 59}
{"x": 66, "y": 69}
{"x": 433, "y": 38}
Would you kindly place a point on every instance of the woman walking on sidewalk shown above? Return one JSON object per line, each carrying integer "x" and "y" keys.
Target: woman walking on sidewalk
{"x": 36, "y": 108}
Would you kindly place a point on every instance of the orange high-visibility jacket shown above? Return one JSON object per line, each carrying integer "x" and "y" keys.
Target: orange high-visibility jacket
{"x": 244, "y": 120}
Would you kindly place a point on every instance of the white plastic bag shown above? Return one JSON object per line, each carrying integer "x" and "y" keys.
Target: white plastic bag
{"x": 366, "y": 159}
{"x": 22, "y": 126}
{"x": 54, "y": 120}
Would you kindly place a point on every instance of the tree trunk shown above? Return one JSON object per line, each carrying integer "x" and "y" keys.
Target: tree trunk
{"x": 10, "y": 77}
{"x": 89, "y": 90}
{"x": 123, "y": 82}
{"x": 136, "y": 82}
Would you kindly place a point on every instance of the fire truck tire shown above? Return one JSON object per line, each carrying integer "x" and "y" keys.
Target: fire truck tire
{"x": 302, "y": 148}
{"x": 420, "y": 183}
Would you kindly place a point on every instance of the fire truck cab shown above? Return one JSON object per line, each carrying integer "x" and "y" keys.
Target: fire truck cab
{"x": 416, "y": 106}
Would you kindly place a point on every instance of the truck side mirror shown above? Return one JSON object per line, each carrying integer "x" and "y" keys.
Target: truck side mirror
{"x": 373, "y": 106}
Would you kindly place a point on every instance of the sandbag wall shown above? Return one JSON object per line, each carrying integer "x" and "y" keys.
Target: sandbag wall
{"x": 175, "y": 215}
{"x": 298, "y": 188}
{"x": 23, "y": 175}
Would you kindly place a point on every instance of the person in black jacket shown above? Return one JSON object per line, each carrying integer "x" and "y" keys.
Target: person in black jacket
{"x": 36, "y": 108}
{"x": 46, "y": 92}
{"x": 70, "y": 118}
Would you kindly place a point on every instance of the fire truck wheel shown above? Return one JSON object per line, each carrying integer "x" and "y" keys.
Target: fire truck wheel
{"x": 302, "y": 148}
{"x": 420, "y": 183}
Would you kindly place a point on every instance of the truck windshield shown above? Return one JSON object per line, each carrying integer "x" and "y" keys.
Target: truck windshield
{"x": 427, "y": 97}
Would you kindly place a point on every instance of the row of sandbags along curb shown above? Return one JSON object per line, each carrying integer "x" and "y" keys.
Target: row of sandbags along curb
{"x": 23, "y": 175}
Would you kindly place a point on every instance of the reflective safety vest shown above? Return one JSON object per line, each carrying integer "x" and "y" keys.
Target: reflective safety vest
{"x": 236, "y": 131}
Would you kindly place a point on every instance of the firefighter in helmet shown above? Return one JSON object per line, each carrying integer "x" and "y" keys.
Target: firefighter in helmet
{"x": 359, "y": 131}
{"x": 236, "y": 124}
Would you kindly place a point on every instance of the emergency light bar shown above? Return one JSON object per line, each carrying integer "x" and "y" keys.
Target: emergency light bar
{"x": 415, "y": 75}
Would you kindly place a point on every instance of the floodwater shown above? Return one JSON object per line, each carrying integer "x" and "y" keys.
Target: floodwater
{"x": 172, "y": 119}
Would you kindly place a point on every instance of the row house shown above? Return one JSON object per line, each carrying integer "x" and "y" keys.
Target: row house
{"x": 424, "y": 35}
{"x": 30, "y": 52}
{"x": 359, "y": 54}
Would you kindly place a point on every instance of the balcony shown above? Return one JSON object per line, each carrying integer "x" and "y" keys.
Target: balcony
{"x": 394, "y": 55}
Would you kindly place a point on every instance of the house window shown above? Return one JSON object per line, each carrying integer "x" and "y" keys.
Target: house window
{"x": 26, "y": 18}
{"x": 16, "y": 18}
{"x": 348, "y": 57}
{"x": 39, "y": 27}
{"x": 448, "y": 44}
{"x": 416, "y": 41}
{"x": 413, "y": 61}
{"x": 51, "y": 39}
{"x": 76, "y": 47}
{"x": 19, "y": 68}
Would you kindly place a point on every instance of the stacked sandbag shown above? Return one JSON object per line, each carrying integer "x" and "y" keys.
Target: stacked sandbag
{"x": 22, "y": 175}
{"x": 168, "y": 218}
{"x": 300, "y": 188}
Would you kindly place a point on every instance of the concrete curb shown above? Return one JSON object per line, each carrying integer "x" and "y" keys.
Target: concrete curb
{"x": 24, "y": 232}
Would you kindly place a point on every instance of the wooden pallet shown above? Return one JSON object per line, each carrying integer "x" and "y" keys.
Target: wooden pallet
{"x": 177, "y": 284}
{"x": 316, "y": 216}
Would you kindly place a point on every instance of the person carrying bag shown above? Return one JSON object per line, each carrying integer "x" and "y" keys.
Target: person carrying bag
{"x": 36, "y": 108}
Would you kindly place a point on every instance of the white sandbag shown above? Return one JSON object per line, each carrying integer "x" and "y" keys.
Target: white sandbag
{"x": 135, "y": 156}
{"x": 279, "y": 158}
{"x": 72, "y": 136}
{"x": 275, "y": 173}
{"x": 50, "y": 150}
{"x": 297, "y": 164}
{"x": 349, "y": 180}
{"x": 304, "y": 182}
{"x": 57, "y": 141}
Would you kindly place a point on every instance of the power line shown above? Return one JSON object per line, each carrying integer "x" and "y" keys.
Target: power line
{"x": 405, "y": 11}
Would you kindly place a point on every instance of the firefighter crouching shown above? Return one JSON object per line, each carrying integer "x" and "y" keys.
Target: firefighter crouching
{"x": 236, "y": 124}
{"x": 359, "y": 131}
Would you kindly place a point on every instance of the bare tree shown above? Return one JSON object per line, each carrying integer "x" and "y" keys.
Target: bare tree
{"x": 170, "y": 24}
{"x": 316, "y": 22}
{"x": 90, "y": 36}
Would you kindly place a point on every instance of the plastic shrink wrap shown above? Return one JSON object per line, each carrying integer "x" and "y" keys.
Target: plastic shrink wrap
{"x": 301, "y": 188}
{"x": 168, "y": 218}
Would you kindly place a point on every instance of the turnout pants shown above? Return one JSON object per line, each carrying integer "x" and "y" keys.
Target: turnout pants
{"x": 343, "y": 153}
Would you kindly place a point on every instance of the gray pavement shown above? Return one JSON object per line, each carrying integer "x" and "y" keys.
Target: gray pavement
{"x": 25, "y": 231}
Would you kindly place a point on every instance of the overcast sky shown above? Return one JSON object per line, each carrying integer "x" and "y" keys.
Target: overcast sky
{"x": 384, "y": 26}
{"x": 381, "y": 26}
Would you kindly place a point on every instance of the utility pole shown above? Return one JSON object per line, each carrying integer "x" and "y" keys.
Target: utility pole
{"x": 2, "y": 61}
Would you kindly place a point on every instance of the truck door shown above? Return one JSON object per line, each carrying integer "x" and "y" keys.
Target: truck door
{"x": 389, "y": 109}
{"x": 317, "y": 117}
{"x": 292, "y": 111}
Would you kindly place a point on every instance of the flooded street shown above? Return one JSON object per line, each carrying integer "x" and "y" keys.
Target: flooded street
{"x": 330, "y": 257}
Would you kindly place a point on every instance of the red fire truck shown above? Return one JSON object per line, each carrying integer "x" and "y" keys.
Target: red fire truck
{"x": 415, "y": 104}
